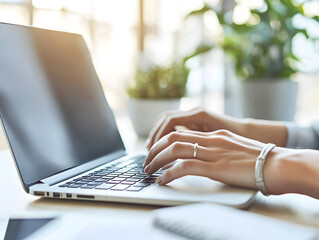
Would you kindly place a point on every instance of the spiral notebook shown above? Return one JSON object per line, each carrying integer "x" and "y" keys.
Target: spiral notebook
{"x": 209, "y": 221}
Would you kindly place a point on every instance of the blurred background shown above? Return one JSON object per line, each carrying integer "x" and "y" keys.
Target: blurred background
{"x": 125, "y": 34}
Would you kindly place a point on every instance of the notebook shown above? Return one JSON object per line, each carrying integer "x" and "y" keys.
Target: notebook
{"x": 211, "y": 221}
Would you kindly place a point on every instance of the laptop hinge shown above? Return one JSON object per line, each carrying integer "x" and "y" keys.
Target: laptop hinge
{"x": 59, "y": 177}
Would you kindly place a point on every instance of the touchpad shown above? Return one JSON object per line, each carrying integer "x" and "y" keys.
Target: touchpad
{"x": 198, "y": 185}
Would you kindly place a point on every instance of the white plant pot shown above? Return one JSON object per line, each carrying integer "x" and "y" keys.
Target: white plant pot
{"x": 269, "y": 99}
{"x": 145, "y": 112}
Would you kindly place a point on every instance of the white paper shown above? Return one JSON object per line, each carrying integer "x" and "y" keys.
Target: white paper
{"x": 209, "y": 221}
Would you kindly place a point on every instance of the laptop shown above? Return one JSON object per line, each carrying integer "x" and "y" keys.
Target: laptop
{"x": 62, "y": 132}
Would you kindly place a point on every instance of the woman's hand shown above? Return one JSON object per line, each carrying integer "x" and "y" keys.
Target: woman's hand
{"x": 221, "y": 155}
{"x": 203, "y": 121}
{"x": 196, "y": 120}
{"x": 230, "y": 158}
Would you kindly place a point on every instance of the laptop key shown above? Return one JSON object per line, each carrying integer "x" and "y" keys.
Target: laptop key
{"x": 94, "y": 184}
{"x": 127, "y": 174}
{"x": 138, "y": 177}
{"x": 107, "y": 177}
{"x": 112, "y": 175}
{"x": 88, "y": 186}
{"x": 64, "y": 185}
{"x": 118, "y": 179}
{"x": 133, "y": 180}
{"x": 92, "y": 178}
{"x": 148, "y": 180}
{"x": 106, "y": 172}
{"x": 127, "y": 183}
{"x": 114, "y": 182}
{"x": 81, "y": 182}
{"x": 75, "y": 185}
{"x": 105, "y": 186}
{"x": 123, "y": 170}
{"x": 126, "y": 177}
{"x": 99, "y": 174}
{"x": 134, "y": 189}
{"x": 100, "y": 181}
{"x": 140, "y": 184}
{"x": 77, "y": 179}
{"x": 119, "y": 187}
{"x": 86, "y": 180}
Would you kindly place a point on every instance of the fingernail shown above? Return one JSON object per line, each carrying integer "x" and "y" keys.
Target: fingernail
{"x": 147, "y": 168}
{"x": 159, "y": 180}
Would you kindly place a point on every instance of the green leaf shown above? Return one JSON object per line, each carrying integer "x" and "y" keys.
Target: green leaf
{"x": 203, "y": 48}
{"x": 199, "y": 12}
{"x": 160, "y": 82}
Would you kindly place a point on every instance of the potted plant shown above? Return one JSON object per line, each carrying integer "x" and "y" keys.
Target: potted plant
{"x": 156, "y": 90}
{"x": 260, "y": 44}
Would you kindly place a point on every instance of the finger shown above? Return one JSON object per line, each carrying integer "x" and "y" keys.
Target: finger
{"x": 182, "y": 119}
{"x": 168, "y": 155}
{"x": 237, "y": 173}
{"x": 180, "y": 127}
{"x": 159, "y": 122}
{"x": 198, "y": 133}
{"x": 178, "y": 136}
{"x": 172, "y": 120}
{"x": 169, "y": 165}
{"x": 184, "y": 168}
{"x": 219, "y": 142}
{"x": 177, "y": 150}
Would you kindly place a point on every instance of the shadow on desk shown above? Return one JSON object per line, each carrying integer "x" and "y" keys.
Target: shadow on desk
{"x": 64, "y": 204}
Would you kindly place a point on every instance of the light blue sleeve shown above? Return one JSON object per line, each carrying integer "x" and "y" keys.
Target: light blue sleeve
{"x": 303, "y": 137}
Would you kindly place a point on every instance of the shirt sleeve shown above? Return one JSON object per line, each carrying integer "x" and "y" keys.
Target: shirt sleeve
{"x": 303, "y": 137}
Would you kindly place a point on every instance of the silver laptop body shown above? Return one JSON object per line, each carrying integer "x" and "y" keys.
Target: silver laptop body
{"x": 62, "y": 133}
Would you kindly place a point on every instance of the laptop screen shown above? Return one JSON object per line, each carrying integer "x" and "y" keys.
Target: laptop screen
{"x": 51, "y": 102}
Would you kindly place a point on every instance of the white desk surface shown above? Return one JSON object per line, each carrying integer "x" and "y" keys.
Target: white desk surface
{"x": 14, "y": 201}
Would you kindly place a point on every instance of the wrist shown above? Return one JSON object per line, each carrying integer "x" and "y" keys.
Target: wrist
{"x": 235, "y": 125}
{"x": 290, "y": 171}
{"x": 264, "y": 131}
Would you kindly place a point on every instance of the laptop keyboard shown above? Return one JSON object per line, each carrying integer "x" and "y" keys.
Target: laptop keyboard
{"x": 123, "y": 176}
